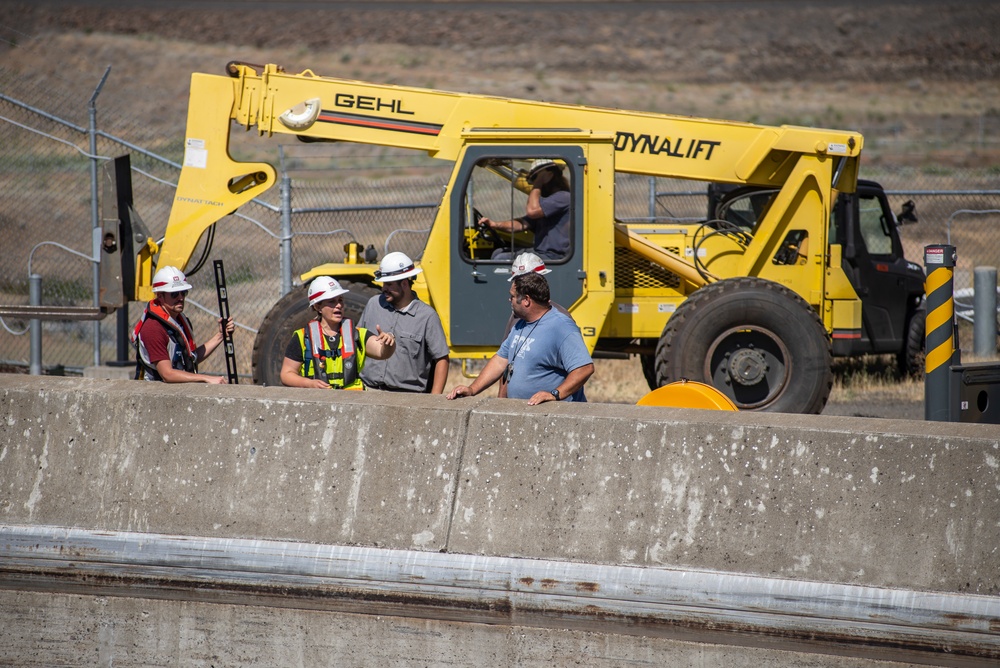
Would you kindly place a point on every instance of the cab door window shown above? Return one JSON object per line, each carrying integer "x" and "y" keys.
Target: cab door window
{"x": 518, "y": 204}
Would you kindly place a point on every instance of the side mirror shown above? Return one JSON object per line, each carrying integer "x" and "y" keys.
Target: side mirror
{"x": 908, "y": 214}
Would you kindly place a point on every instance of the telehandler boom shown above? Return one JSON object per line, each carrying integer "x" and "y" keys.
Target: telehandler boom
{"x": 754, "y": 300}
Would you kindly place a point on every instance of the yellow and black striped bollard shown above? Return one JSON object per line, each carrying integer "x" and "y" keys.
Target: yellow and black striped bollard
{"x": 940, "y": 336}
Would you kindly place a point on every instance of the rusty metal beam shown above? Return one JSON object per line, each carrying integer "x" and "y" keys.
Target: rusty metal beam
{"x": 26, "y": 312}
{"x": 698, "y": 606}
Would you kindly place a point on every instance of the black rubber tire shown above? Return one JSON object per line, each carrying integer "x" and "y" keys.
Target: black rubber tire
{"x": 758, "y": 342}
{"x": 289, "y": 314}
{"x": 648, "y": 363}
{"x": 910, "y": 360}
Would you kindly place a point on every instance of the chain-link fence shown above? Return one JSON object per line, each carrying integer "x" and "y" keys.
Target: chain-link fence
{"x": 52, "y": 149}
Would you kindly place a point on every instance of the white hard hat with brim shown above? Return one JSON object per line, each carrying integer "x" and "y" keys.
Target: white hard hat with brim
{"x": 170, "y": 279}
{"x": 324, "y": 288}
{"x": 539, "y": 165}
{"x": 527, "y": 263}
{"x": 396, "y": 266}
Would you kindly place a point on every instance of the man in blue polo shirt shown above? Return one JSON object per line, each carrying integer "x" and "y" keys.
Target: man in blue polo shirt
{"x": 543, "y": 358}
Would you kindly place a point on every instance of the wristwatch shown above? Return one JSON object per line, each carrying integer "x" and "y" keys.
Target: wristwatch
{"x": 555, "y": 393}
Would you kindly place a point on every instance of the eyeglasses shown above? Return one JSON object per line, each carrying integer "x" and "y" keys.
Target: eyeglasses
{"x": 178, "y": 294}
{"x": 511, "y": 298}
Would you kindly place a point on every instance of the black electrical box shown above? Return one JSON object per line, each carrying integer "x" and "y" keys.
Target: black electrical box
{"x": 975, "y": 393}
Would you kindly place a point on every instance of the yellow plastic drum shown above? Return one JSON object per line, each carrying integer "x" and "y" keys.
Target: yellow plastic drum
{"x": 688, "y": 394}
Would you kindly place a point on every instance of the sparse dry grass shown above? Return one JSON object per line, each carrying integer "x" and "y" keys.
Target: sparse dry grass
{"x": 864, "y": 382}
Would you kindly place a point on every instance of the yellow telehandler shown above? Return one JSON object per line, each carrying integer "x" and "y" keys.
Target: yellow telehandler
{"x": 794, "y": 263}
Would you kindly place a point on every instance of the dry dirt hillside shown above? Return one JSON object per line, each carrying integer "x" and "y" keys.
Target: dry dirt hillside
{"x": 695, "y": 42}
{"x": 836, "y": 63}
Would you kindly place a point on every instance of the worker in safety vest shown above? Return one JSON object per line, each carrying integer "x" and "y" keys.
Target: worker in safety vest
{"x": 163, "y": 339}
{"x": 329, "y": 352}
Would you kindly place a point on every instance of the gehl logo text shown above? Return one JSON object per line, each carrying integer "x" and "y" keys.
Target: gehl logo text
{"x": 675, "y": 148}
{"x": 370, "y": 103}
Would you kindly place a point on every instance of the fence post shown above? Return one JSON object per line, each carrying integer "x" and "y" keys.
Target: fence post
{"x": 95, "y": 211}
{"x": 285, "y": 261}
{"x": 984, "y": 342}
{"x": 939, "y": 266}
{"x": 35, "y": 325}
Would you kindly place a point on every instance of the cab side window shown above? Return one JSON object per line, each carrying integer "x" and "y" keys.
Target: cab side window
{"x": 874, "y": 225}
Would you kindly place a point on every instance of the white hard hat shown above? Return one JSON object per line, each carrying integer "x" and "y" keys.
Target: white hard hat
{"x": 170, "y": 279}
{"x": 539, "y": 165}
{"x": 324, "y": 288}
{"x": 526, "y": 263}
{"x": 395, "y": 267}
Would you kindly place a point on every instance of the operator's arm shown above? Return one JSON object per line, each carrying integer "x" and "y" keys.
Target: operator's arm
{"x": 381, "y": 346}
{"x": 510, "y": 226}
{"x": 574, "y": 381}
{"x": 489, "y": 375}
{"x": 290, "y": 375}
{"x": 440, "y": 375}
{"x": 207, "y": 348}
{"x": 534, "y": 206}
{"x": 533, "y": 210}
{"x": 171, "y": 375}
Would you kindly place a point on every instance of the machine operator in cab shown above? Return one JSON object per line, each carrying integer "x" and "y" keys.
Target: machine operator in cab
{"x": 546, "y": 215}
{"x": 329, "y": 352}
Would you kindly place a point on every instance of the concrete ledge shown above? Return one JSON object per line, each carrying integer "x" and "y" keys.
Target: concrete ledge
{"x": 110, "y": 372}
{"x": 861, "y": 501}
{"x": 238, "y": 462}
{"x": 864, "y": 501}
{"x": 138, "y": 632}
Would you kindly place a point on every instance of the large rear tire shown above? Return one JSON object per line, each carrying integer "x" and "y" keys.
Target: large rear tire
{"x": 290, "y": 313}
{"x": 756, "y": 341}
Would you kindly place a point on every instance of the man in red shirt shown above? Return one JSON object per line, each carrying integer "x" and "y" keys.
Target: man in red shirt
{"x": 165, "y": 347}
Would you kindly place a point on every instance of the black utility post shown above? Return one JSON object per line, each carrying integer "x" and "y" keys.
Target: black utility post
{"x": 941, "y": 334}
{"x": 117, "y": 206}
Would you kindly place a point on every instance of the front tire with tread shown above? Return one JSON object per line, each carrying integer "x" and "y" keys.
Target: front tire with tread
{"x": 758, "y": 342}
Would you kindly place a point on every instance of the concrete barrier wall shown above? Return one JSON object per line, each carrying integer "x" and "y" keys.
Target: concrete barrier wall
{"x": 875, "y": 502}
{"x": 896, "y": 504}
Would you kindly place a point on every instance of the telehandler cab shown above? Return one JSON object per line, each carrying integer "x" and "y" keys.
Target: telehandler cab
{"x": 797, "y": 262}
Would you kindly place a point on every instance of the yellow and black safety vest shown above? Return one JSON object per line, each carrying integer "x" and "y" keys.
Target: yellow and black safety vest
{"x": 341, "y": 367}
